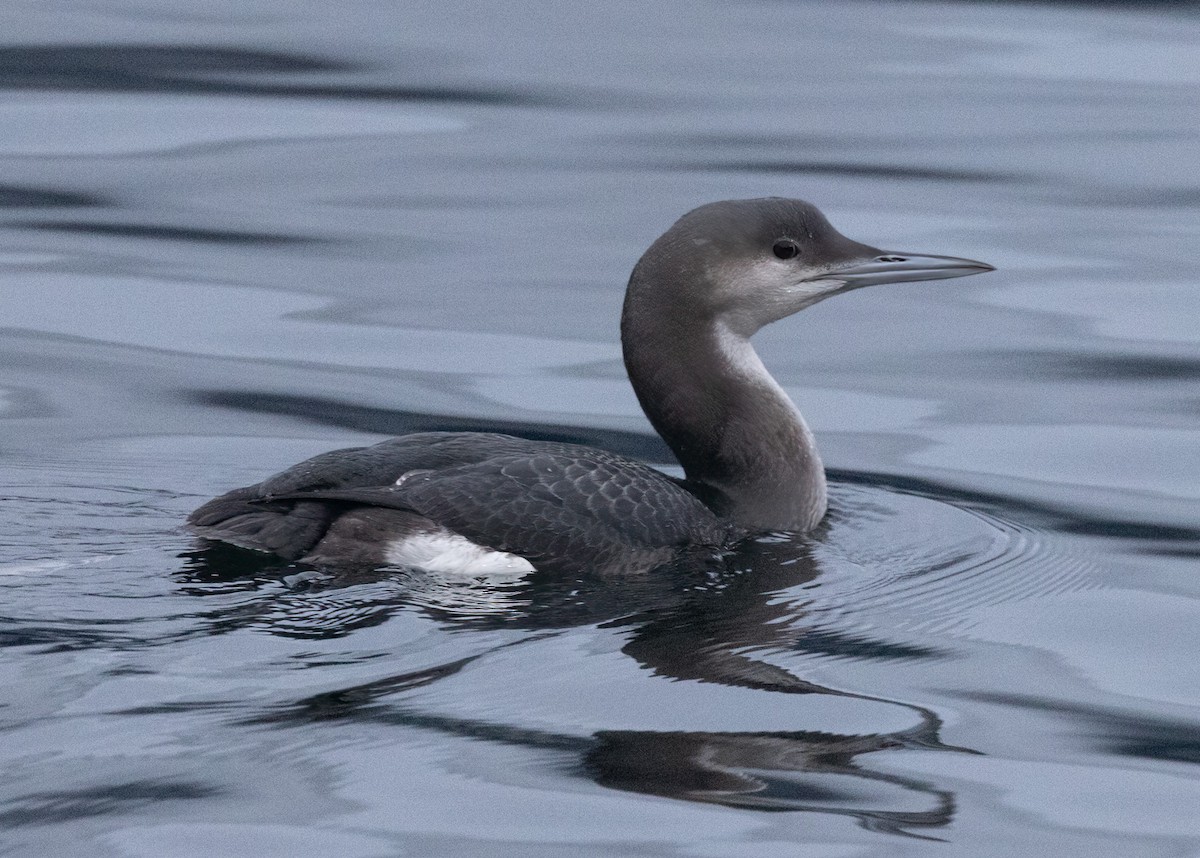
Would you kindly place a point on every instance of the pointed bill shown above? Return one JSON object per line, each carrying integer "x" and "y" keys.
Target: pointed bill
{"x": 904, "y": 268}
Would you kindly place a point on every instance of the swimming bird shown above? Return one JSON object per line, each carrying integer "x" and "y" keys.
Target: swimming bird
{"x": 480, "y": 503}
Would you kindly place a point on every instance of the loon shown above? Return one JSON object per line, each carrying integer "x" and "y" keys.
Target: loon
{"x": 477, "y": 503}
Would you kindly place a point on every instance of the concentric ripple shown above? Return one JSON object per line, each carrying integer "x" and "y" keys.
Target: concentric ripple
{"x": 929, "y": 564}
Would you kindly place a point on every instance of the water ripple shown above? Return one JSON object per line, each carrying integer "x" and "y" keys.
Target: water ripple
{"x": 215, "y": 71}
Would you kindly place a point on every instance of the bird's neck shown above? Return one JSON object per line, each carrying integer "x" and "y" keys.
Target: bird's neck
{"x": 733, "y": 428}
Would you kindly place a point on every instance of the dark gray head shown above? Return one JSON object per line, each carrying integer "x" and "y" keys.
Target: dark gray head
{"x": 746, "y": 263}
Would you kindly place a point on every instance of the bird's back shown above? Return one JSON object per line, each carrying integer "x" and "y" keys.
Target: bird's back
{"x": 551, "y": 503}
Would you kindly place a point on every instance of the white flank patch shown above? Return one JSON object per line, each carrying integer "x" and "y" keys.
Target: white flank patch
{"x": 450, "y": 554}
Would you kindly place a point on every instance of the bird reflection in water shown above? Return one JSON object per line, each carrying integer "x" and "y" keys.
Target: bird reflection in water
{"x": 703, "y": 617}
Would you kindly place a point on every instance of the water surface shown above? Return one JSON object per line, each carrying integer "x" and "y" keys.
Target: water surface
{"x": 236, "y": 237}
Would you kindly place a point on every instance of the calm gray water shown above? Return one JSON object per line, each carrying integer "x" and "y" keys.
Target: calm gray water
{"x": 239, "y": 233}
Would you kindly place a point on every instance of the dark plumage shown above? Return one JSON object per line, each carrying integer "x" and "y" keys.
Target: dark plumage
{"x": 693, "y": 302}
{"x": 545, "y": 501}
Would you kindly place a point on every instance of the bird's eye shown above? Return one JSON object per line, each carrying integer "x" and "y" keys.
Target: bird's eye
{"x": 785, "y": 248}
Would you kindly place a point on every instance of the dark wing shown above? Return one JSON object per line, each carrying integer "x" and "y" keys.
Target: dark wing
{"x": 541, "y": 500}
{"x": 383, "y": 463}
{"x": 290, "y": 529}
{"x": 562, "y": 501}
